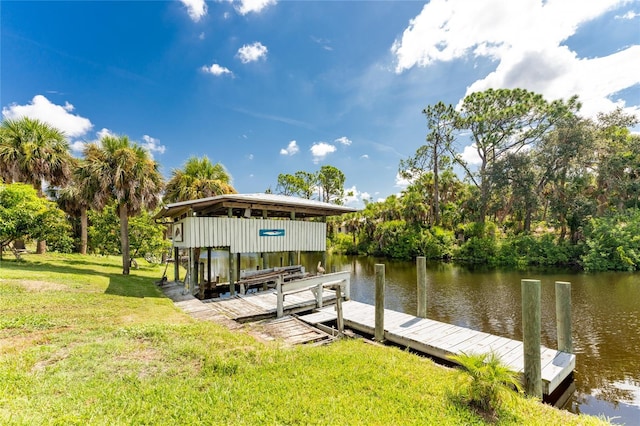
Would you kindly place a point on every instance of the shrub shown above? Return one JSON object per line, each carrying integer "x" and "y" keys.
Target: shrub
{"x": 613, "y": 243}
{"x": 485, "y": 382}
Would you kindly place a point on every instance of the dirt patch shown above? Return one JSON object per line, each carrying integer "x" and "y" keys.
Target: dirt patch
{"x": 56, "y": 357}
{"x": 16, "y": 344}
{"x": 36, "y": 286}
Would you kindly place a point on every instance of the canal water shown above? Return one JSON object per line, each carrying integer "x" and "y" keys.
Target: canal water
{"x": 605, "y": 317}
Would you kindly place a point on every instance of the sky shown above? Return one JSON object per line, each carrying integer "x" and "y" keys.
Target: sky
{"x": 266, "y": 87}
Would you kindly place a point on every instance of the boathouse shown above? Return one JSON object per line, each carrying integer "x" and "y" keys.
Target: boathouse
{"x": 240, "y": 224}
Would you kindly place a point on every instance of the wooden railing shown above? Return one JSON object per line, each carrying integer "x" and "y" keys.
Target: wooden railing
{"x": 341, "y": 281}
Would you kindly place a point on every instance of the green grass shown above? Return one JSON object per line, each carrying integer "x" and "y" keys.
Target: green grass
{"x": 82, "y": 344}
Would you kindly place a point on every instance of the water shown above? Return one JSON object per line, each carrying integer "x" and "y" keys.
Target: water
{"x": 605, "y": 316}
{"x": 605, "y": 320}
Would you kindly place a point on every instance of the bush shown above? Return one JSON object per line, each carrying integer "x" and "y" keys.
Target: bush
{"x": 478, "y": 250}
{"x": 525, "y": 250}
{"x": 486, "y": 383}
{"x": 613, "y": 243}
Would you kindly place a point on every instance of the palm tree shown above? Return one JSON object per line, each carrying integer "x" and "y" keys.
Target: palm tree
{"x": 116, "y": 169}
{"x": 71, "y": 200}
{"x": 34, "y": 152}
{"x": 199, "y": 178}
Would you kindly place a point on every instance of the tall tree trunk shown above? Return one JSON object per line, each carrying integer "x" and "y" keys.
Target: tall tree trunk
{"x": 436, "y": 187}
{"x": 84, "y": 224}
{"x": 124, "y": 238}
{"x": 41, "y": 247}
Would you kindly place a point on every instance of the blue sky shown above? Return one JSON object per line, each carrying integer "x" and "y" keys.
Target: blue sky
{"x": 268, "y": 87}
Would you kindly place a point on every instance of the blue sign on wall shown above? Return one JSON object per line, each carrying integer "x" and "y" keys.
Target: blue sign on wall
{"x": 272, "y": 232}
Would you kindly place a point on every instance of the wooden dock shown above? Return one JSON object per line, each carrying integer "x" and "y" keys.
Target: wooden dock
{"x": 440, "y": 340}
{"x": 288, "y": 330}
{"x": 263, "y": 304}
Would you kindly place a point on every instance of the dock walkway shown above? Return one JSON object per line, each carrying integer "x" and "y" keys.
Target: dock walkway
{"x": 440, "y": 340}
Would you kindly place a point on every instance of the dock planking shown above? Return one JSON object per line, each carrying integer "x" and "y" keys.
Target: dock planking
{"x": 441, "y": 340}
{"x": 262, "y": 305}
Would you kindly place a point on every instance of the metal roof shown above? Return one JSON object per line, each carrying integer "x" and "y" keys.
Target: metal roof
{"x": 275, "y": 205}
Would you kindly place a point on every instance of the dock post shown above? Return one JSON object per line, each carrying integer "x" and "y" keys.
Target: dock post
{"x": 209, "y": 265}
{"x": 237, "y": 274}
{"x": 280, "y": 297}
{"x": 319, "y": 292}
{"x": 201, "y": 280}
{"x": 531, "y": 337}
{"x": 232, "y": 272}
{"x": 340, "y": 318}
{"x": 563, "y": 316}
{"x": 421, "y": 265}
{"x": 176, "y": 264}
{"x": 379, "y": 329}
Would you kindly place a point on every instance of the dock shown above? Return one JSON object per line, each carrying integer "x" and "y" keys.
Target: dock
{"x": 263, "y": 304}
{"x": 440, "y": 340}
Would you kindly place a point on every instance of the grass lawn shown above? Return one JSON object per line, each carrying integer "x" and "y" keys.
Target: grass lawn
{"x": 82, "y": 344}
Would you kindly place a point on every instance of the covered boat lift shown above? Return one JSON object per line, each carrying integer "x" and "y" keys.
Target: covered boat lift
{"x": 244, "y": 223}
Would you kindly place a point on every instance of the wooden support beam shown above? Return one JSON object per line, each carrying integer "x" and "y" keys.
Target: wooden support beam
{"x": 531, "y": 337}
{"x": 208, "y": 264}
{"x": 176, "y": 264}
{"x": 280, "y": 298}
{"x": 421, "y": 264}
{"x": 563, "y": 316}
{"x": 379, "y": 305}
{"x": 339, "y": 314}
{"x": 232, "y": 269}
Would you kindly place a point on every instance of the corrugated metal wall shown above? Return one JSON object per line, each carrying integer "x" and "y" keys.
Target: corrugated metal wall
{"x": 243, "y": 235}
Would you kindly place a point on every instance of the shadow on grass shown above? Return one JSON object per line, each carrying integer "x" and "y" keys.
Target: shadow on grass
{"x": 132, "y": 286}
{"x": 121, "y": 285}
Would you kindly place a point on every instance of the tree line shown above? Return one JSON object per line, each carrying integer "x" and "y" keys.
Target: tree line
{"x": 549, "y": 188}
{"x": 103, "y": 202}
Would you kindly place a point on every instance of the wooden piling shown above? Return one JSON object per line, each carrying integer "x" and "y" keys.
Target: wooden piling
{"x": 237, "y": 272}
{"x": 563, "y": 316}
{"x": 176, "y": 264}
{"x": 279, "y": 298}
{"x": 232, "y": 269}
{"x": 340, "y": 316}
{"x": 379, "y": 305}
{"x": 201, "y": 280}
{"x": 421, "y": 265}
{"x": 209, "y": 275}
{"x": 531, "y": 337}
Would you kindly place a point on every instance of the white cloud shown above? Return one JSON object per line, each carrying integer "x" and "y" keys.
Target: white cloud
{"x": 216, "y": 70}
{"x": 250, "y": 157}
{"x": 320, "y": 150}
{"x": 291, "y": 149}
{"x": 344, "y": 140}
{"x": 365, "y": 156}
{"x": 355, "y": 198}
{"x": 152, "y": 145}
{"x": 470, "y": 155}
{"x": 57, "y": 116}
{"x": 525, "y": 39}
{"x": 201, "y": 36}
{"x": 77, "y": 146}
{"x": 256, "y": 6}
{"x": 252, "y": 52}
{"x": 402, "y": 182}
{"x": 629, "y": 15}
{"x": 104, "y": 132}
{"x": 195, "y": 8}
